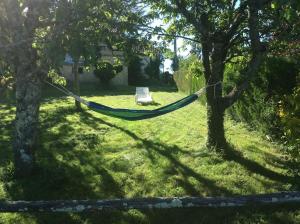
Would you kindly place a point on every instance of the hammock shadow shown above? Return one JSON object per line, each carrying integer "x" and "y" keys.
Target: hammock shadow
{"x": 167, "y": 152}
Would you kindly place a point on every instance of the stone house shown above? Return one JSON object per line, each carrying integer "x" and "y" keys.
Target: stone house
{"x": 108, "y": 55}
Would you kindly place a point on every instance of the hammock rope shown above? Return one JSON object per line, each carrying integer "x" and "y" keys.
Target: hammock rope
{"x": 133, "y": 114}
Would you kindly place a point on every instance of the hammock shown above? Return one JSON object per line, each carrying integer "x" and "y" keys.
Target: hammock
{"x": 131, "y": 114}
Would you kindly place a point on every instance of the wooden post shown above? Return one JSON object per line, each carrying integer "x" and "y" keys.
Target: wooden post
{"x": 149, "y": 203}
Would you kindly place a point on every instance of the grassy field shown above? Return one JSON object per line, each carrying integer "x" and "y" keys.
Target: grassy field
{"x": 84, "y": 155}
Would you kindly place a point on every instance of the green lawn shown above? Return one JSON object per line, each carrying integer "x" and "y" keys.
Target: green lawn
{"x": 87, "y": 156}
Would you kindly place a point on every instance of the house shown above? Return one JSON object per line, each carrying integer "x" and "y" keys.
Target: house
{"x": 107, "y": 54}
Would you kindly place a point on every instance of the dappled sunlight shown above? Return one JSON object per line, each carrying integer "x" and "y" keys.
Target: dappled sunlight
{"x": 85, "y": 155}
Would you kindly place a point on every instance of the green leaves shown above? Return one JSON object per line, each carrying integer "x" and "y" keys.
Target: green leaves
{"x": 105, "y": 71}
{"x": 56, "y": 78}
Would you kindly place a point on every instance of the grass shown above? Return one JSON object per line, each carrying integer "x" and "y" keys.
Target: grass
{"x": 85, "y": 155}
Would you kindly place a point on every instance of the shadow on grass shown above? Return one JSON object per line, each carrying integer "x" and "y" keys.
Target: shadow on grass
{"x": 63, "y": 174}
{"x": 168, "y": 153}
{"x": 257, "y": 214}
{"x": 254, "y": 167}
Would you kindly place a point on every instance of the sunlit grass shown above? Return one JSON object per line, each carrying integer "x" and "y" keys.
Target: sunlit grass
{"x": 85, "y": 155}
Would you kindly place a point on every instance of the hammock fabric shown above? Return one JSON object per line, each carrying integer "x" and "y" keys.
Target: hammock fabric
{"x": 134, "y": 115}
{"x": 131, "y": 114}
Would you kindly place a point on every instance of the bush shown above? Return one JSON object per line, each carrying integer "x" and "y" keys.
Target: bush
{"x": 290, "y": 116}
{"x": 167, "y": 78}
{"x": 153, "y": 68}
{"x": 105, "y": 72}
{"x": 259, "y": 106}
{"x": 135, "y": 76}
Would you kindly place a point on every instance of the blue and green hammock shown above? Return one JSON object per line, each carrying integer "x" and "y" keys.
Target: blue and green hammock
{"x": 131, "y": 114}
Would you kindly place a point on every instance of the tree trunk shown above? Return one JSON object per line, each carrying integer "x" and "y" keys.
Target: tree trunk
{"x": 214, "y": 73}
{"x": 76, "y": 84}
{"x": 215, "y": 119}
{"x": 215, "y": 122}
{"x": 28, "y": 94}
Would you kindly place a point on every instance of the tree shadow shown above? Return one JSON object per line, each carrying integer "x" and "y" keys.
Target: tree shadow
{"x": 269, "y": 157}
{"x": 254, "y": 167}
{"x": 248, "y": 214}
{"x": 168, "y": 152}
{"x": 59, "y": 177}
{"x": 62, "y": 172}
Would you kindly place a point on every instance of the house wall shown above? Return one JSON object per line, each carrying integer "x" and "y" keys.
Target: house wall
{"x": 108, "y": 55}
{"x": 121, "y": 78}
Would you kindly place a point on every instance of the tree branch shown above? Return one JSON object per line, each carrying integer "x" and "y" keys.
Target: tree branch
{"x": 257, "y": 54}
{"x": 164, "y": 33}
{"x": 182, "y": 8}
{"x": 238, "y": 19}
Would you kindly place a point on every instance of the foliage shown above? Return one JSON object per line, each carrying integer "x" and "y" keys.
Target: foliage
{"x": 290, "y": 115}
{"x": 153, "y": 68}
{"x": 259, "y": 106}
{"x": 190, "y": 78}
{"x": 167, "y": 77}
{"x": 88, "y": 155}
{"x": 135, "y": 75}
{"x": 223, "y": 31}
{"x": 289, "y": 112}
{"x": 57, "y": 78}
{"x": 93, "y": 23}
{"x": 105, "y": 71}
{"x": 6, "y": 82}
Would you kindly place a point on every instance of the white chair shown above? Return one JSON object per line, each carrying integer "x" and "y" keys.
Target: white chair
{"x": 143, "y": 96}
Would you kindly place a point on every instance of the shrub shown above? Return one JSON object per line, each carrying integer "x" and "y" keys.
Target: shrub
{"x": 153, "y": 68}
{"x": 259, "y": 106}
{"x": 290, "y": 116}
{"x": 105, "y": 71}
{"x": 135, "y": 76}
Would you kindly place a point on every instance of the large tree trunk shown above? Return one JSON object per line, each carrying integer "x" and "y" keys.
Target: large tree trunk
{"x": 76, "y": 84}
{"x": 215, "y": 122}
{"x": 28, "y": 94}
{"x": 215, "y": 118}
{"x": 214, "y": 73}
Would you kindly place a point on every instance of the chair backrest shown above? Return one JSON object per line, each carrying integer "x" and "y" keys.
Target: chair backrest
{"x": 142, "y": 91}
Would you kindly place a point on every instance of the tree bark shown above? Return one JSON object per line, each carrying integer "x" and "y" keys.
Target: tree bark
{"x": 76, "y": 84}
{"x": 67, "y": 206}
{"x": 214, "y": 73}
{"x": 28, "y": 95}
{"x": 215, "y": 122}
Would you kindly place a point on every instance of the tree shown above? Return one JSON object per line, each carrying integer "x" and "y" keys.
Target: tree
{"x": 225, "y": 29}
{"x": 175, "y": 61}
{"x": 153, "y": 68}
{"x": 33, "y": 40}
{"x": 22, "y": 24}
{"x": 94, "y": 23}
